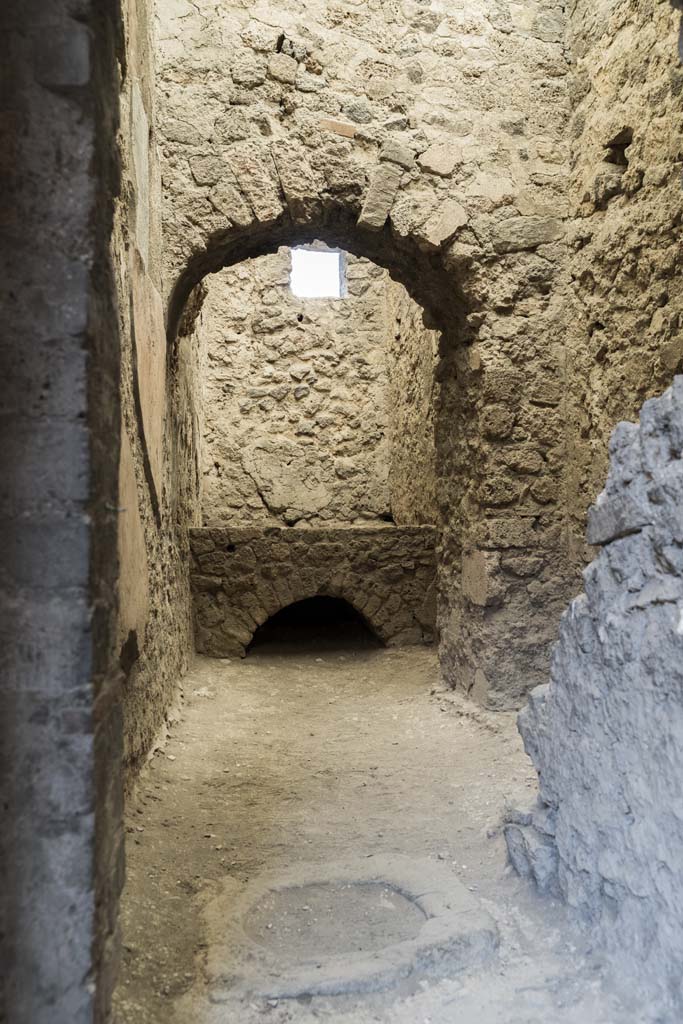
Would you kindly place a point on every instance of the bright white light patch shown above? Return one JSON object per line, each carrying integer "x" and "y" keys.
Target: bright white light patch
{"x": 316, "y": 274}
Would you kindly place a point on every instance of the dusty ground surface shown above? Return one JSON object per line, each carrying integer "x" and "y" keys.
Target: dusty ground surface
{"x": 305, "y": 757}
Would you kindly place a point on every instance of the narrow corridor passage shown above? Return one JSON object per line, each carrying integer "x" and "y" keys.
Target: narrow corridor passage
{"x": 294, "y": 759}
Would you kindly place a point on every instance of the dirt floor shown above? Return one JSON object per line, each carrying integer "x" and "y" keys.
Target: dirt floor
{"x": 297, "y": 758}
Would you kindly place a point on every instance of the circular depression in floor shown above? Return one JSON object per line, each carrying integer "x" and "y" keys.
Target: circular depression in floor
{"x": 325, "y": 919}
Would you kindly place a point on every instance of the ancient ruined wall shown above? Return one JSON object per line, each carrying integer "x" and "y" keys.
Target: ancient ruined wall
{"x": 430, "y": 139}
{"x": 627, "y": 154}
{"x": 605, "y": 735}
{"x": 61, "y": 837}
{"x": 157, "y": 472}
{"x": 413, "y": 396}
{"x": 295, "y": 398}
{"x": 241, "y": 577}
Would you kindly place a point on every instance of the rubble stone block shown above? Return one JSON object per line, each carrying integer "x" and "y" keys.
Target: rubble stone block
{"x": 380, "y": 196}
{"x": 519, "y": 233}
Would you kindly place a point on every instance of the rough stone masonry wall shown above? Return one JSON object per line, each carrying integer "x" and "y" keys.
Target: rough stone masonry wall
{"x": 60, "y": 837}
{"x": 295, "y": 398}
{"x": 429, "y": 138}
{"x": 605, "y": 735}
{"x": 413, "y": 398}
{"x": 158, "y": 477}
{"x": 627, "y": 155}
{"x": 241, "y": 577}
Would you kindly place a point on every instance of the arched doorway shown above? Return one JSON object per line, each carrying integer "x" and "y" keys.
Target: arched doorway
{"x": 316, "y": 623}
{"x": 499, "y": 515}
{"x": 318, "y": 470}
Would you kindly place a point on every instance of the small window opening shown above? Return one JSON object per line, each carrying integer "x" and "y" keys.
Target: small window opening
{"x": 315, "y": 624}
{"x": 316, "y": 274}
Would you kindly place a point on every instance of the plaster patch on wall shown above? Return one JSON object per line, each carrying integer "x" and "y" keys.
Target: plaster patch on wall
{"x": 133, "y": 566}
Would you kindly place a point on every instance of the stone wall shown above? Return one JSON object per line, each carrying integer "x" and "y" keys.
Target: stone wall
{"x": 627, "y": 203}
{"x": 431, "y": 141}
{"x": 158, "y": 478}
{"x": 429, "y": 138}
{"x": 60, "y": 843}
{"x": 295, "y": 395}
{"x": 413, "y": 400}
{"x": 241, "y": 577}
{"x": 605, "y": 735}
